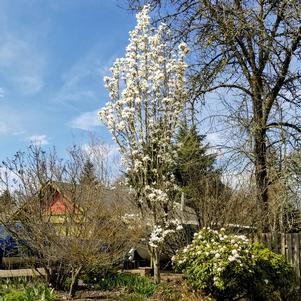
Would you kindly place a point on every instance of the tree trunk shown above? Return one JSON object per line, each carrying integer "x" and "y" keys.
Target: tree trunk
{"x": 48, "y": 274}
{"x": 74, "y": 281}
{"x": 261, "y": 177}
{"x": 155, "y": 258}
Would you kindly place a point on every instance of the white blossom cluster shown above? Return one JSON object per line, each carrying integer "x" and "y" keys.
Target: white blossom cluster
{"x": 147, "y": 95}
{"x": 159, "y": 234}
{"x": 147, "y": 86}
{"x": 216, "y": 251}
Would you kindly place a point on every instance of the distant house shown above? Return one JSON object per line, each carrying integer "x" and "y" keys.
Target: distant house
{"x": 59, "y": 202}
{"x": 54, "y": 203}
{"x": 68, "y": 206}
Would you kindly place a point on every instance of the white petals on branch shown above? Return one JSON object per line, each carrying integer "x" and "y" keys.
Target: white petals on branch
{"x": 147, "y": 92}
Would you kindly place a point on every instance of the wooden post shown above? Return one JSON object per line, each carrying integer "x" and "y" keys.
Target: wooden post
{"x": 289, "y": 249}
{"x": 283, "y": 245}
{"x": 297, "y": 258}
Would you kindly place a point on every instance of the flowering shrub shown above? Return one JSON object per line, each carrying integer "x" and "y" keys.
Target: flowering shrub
{"x": 227, "y": 267}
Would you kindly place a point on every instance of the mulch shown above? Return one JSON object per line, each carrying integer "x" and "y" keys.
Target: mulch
{"x": 92, "y": 295}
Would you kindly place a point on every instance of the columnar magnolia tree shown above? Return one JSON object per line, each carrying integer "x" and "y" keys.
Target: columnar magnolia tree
{"x": 147, "y": 92}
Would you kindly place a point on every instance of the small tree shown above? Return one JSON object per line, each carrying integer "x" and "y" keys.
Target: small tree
{"x": 147, "y": 91}
{"x": 88, "y": 176}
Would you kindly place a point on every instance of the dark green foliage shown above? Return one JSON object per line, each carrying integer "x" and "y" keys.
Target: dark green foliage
{"x": 92, "y": 276}
{"x": 12, "y": 295}
{"x": 193, "y": 158}
{"x": 273, "y": 279}
{"x": 195, "y": 172}
{"x": 88, "y": 176}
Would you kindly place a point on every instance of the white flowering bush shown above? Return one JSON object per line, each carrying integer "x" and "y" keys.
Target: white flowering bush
{"x": 228, "y": 267}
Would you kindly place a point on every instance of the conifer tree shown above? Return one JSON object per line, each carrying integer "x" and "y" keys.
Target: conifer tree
{"x": 88, "y": 176}
{"x": 195, "y": 172}
{"x": 6, "y": 201}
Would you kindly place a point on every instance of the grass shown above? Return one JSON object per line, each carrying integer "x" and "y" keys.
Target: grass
{"x": 20, "y": 289}
{"x": 136, "y": 285}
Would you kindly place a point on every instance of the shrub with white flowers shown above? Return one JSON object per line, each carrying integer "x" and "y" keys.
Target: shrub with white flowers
{"x": 228, "y": 267}
{"x": 147, "y": 92}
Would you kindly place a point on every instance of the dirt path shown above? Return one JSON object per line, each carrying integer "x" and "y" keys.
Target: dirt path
{"x": 90, "y": 295}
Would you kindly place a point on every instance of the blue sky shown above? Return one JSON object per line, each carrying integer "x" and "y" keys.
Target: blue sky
{"x": 53, "y": 56}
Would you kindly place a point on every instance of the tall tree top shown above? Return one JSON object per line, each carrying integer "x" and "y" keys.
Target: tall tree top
{"x": 88, "y": 176}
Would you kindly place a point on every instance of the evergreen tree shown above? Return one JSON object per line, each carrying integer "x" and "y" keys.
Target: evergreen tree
{"x": 88, "y": 176}
{"x": 193, "y": 157}
{"x": 6, "y": 201}
{"x": 196, "y": 175}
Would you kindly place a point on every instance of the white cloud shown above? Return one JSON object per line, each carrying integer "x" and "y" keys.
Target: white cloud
{"x": 38, "y": 139}
{"x": 101, "y": 150}
{"x": 86, "y": 121}
{"x": 215, "y": 143}
{"x": 18, "y": 133}
{"x": 237, "y": 179}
